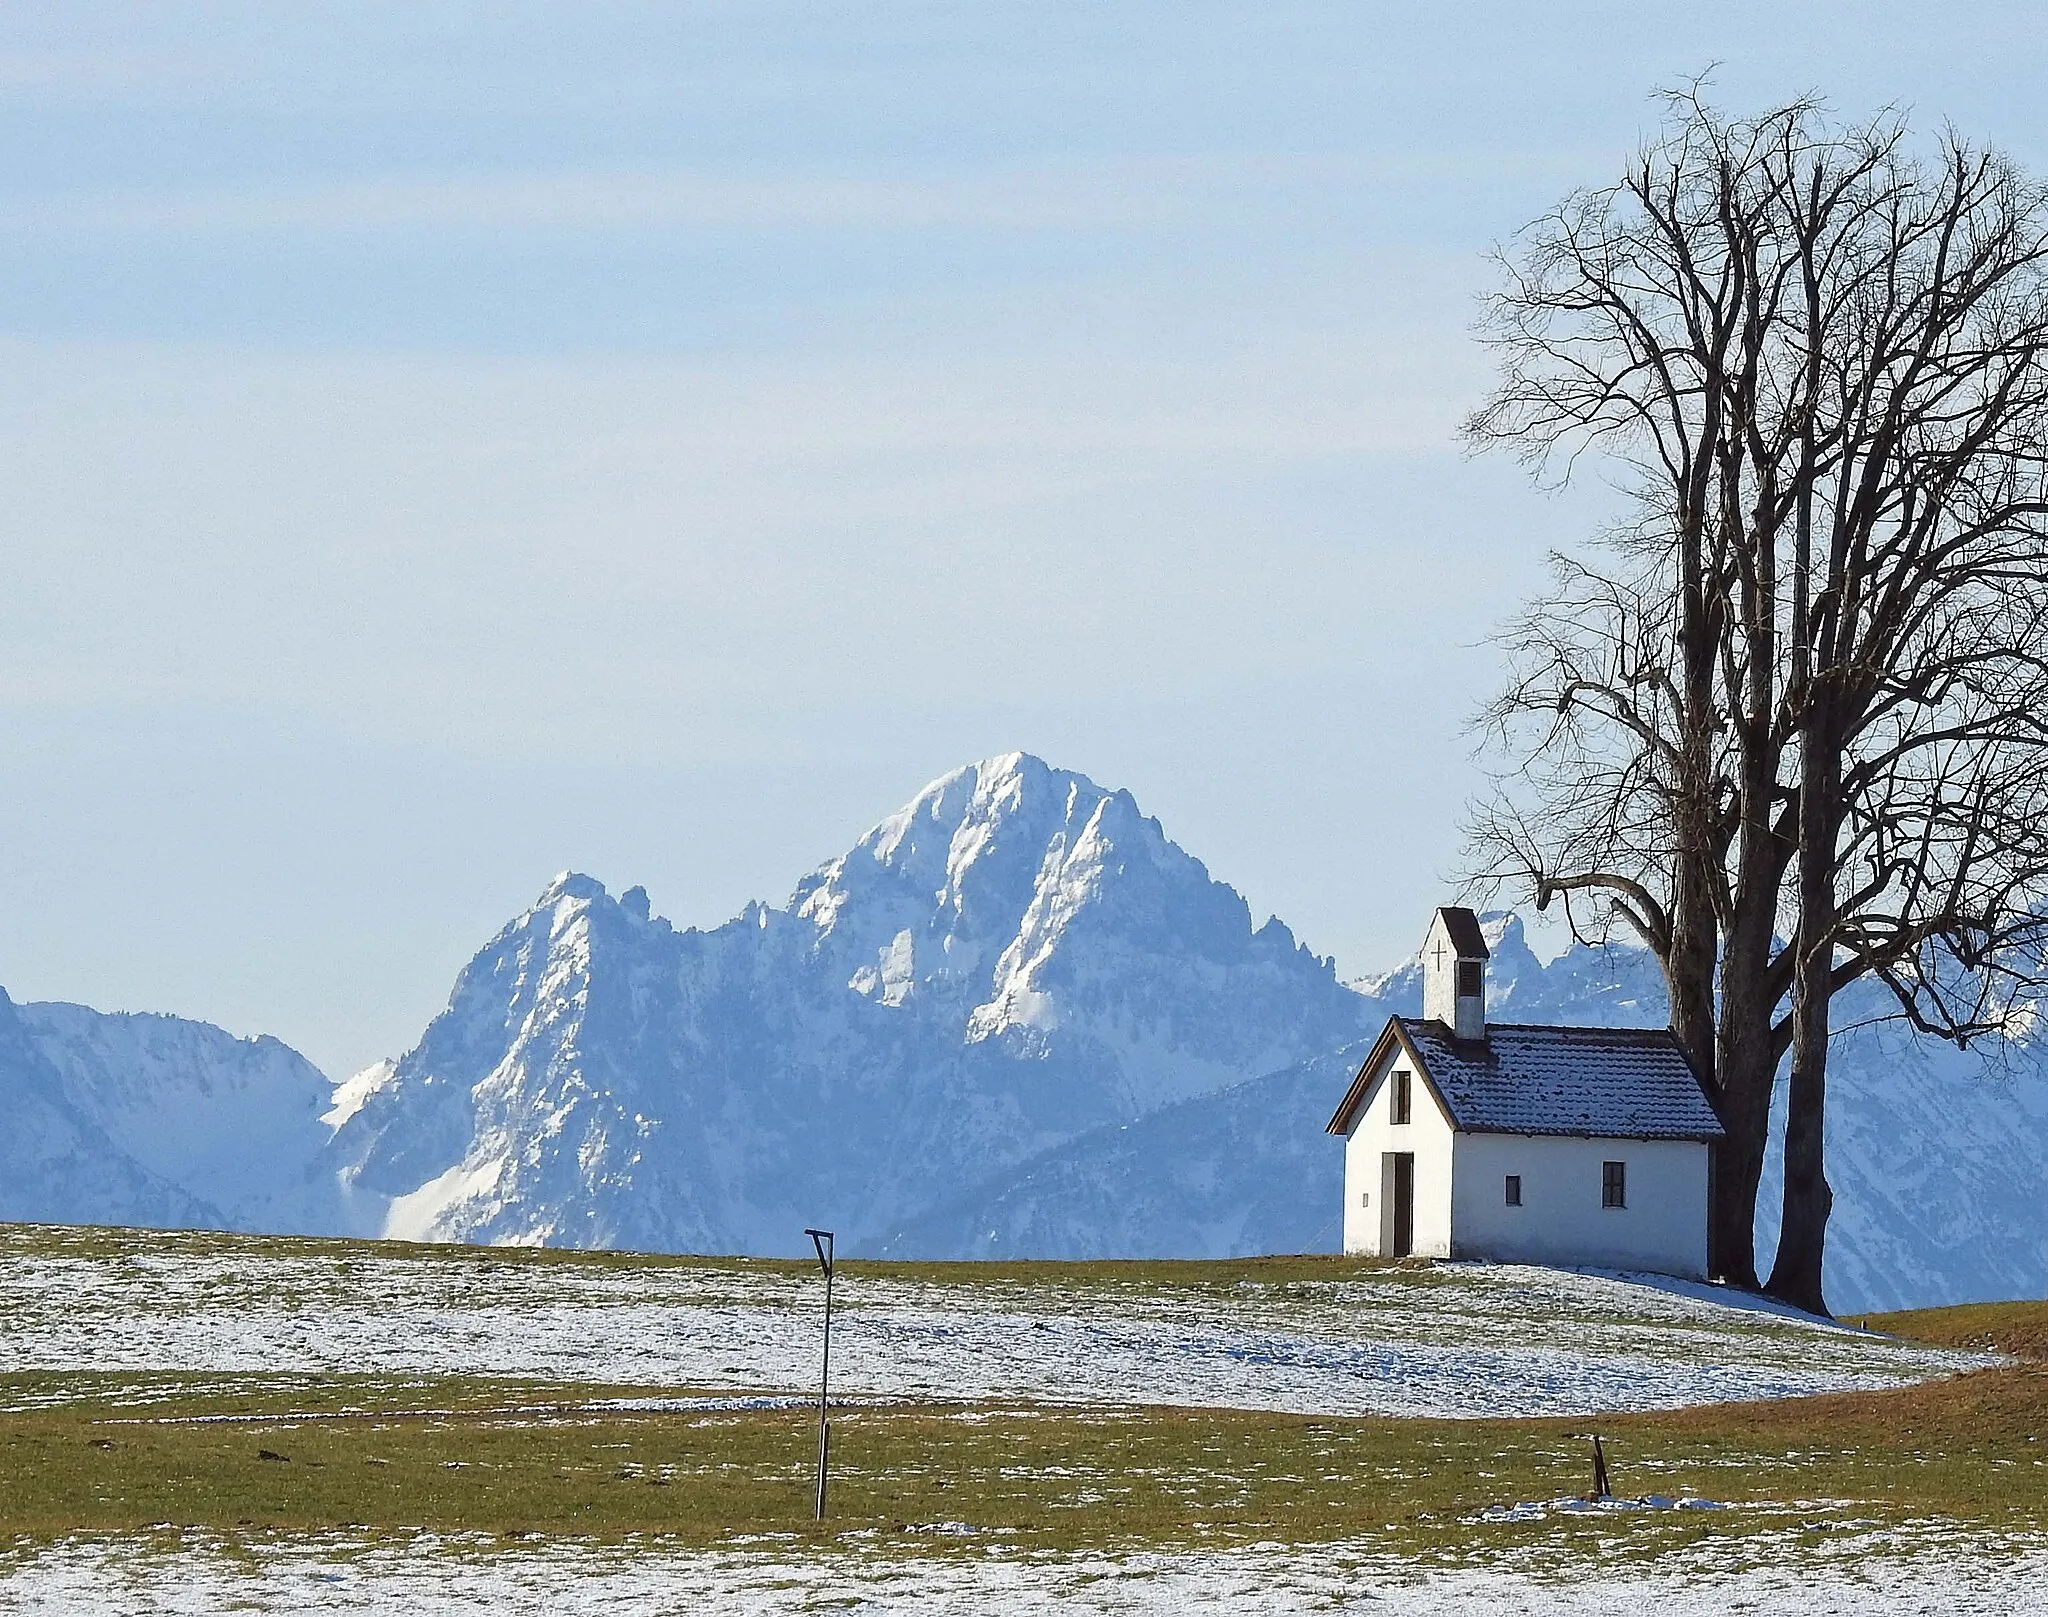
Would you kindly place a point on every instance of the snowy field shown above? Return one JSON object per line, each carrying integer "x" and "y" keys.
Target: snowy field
{"x": 1456, "y": 1340}
{"x": 1453, "y": 1340}
{"x": 1901, "y": 1573}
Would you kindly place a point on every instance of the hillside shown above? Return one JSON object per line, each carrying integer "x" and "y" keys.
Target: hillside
{"x": 1325, "y": 1336}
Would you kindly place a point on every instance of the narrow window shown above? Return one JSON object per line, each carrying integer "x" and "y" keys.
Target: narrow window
{"x": 1614, "y": 1184}
{"x": 1471, "y": 979}
{"x": 1400, "y": 1101}
{"x": 1514, "y": 1190}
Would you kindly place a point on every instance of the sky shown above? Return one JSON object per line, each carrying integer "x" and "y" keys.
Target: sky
{"x": 442, "y": 445}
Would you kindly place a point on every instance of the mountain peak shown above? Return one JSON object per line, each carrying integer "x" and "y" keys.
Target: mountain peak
{"x": 958, "y": 860}
{"x": 571, "y": 884}
{"x": 994, "y": 789}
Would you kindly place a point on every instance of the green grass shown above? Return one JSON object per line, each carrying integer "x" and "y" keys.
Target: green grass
{"x": 119, "y": 1454}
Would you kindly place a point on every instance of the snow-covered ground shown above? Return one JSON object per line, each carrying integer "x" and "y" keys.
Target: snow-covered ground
{"x": 1898, "y": 1572}
{"x": 1453, "y": 1340}
{"x": 1457, "y": 1340}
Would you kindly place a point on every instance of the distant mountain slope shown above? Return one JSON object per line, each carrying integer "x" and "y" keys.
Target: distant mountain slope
{"x": 233, "y": 1123}
{"x": 1018, "y": 956}
{"x": 57, "y": 1165}
{"x": 1220, "y": 1175}
{"x": 1939, "y": 1164}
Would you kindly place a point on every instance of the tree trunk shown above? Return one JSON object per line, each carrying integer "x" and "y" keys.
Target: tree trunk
{"x": 1743, "y": 1103}
{"x": 1802, "y": 1231}
{"x": 1689, "y": 984}
{"x": 1796, "y": 1276}
{"x": 1745, "y": 1059}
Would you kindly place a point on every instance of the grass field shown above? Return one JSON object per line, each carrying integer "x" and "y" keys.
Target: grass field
{"x": 504, "y": 1460}
{"x": 141, "y": 1449}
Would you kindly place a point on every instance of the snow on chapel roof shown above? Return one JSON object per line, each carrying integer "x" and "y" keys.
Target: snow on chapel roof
{"x": 1622, "y": 1083}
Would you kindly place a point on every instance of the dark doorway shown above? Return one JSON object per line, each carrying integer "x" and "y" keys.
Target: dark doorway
{"x": 1404, "y": 1203}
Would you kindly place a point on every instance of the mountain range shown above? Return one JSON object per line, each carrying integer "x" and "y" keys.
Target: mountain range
{"x": 1014, "y": 1020}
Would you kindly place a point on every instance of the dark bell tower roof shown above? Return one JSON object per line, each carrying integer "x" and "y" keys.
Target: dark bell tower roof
{"x": 1466, "y": 938}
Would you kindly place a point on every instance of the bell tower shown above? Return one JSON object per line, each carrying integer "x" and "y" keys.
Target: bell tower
{"x": 1454, "y": 959}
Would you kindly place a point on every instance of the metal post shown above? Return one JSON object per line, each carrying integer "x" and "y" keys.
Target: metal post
{"x": 822, "y": 1240}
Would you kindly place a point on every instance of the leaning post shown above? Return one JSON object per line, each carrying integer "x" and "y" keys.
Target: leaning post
{"x": 822, "y": 1240}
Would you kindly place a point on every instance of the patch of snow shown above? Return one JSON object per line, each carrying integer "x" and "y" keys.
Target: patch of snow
{"x": 1535, "y": 1510}
{"x": 1926, "y": 1570}
{"x": 1475, "y": 1340}
{"x": 416, "y": 1215}
{"x": 894, "y": 973}
{"x": 351, "y": 1093}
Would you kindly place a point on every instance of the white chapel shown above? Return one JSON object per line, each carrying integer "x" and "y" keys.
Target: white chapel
{"x": 1522, "y": 1144}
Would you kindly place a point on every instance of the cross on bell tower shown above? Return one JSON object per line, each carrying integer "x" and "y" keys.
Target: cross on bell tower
{"x": 1454, "y": 957}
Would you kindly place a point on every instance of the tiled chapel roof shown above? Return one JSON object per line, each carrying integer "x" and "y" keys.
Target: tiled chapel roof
{"x": 1622, "y": 1083}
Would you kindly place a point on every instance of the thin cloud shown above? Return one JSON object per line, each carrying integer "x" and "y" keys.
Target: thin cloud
{"x": 1130, "y": 194}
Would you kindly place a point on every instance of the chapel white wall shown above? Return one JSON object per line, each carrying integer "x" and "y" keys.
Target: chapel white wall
{"x": 1369, "y": 1224}
{"x": 1663, "y": 1228}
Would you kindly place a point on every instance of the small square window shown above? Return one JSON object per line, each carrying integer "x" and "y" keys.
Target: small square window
{"x": 1514, "y": 1190}
{"x": 1400, "y": 1102}
{"x": 1614, "y": 1184}
{"x": 1471, "y": 979}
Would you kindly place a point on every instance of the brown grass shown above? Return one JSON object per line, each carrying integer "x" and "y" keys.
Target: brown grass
{"x": 106, "y": 1241}
{"x": 2019, "y": 1328}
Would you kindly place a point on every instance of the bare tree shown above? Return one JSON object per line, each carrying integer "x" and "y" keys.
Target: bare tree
{"x": 1798, "y": 698}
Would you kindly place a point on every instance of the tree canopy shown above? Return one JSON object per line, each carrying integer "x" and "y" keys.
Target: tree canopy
{"x": 1789, "y": 722}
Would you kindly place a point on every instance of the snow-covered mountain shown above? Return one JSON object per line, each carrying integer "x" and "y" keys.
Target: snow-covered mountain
{"x": 1014, "y": 1020}
{"x": 1015, "y": 958}
{"x": 57, "y": 1163}
{"x": 234, "y": 1124}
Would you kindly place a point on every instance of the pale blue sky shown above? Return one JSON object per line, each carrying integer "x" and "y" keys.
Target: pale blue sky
{"x": 440, "y": 445}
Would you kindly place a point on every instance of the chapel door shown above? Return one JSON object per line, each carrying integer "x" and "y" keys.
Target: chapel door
{"x": 1404, "y": 1203}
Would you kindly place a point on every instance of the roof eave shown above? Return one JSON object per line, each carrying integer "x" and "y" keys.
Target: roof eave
{"x": 1689, "y": 1137}
{"x": 1340, "y": 1120}
{"x": 1395, "y": 1032}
